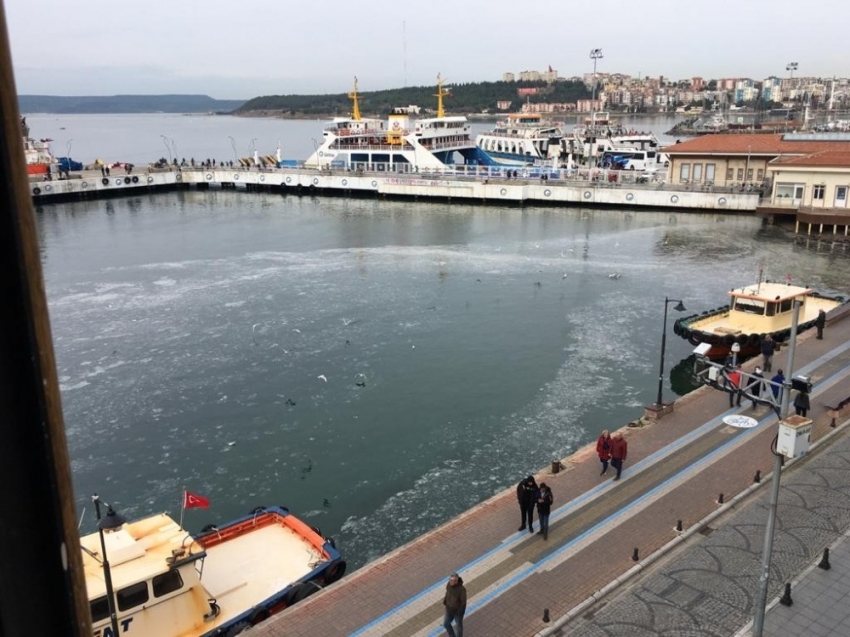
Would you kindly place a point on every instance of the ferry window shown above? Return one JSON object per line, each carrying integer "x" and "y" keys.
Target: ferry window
{"x": 99, "y": 609}
{"x": 167, "y": 583}
{"x": 740, "y": 174}
{"x": 685, "y": 171}
{"x": 697, "y": 172}
{"x": 771, "y": 309}
{"x": 785, "y": 306}
{"x": 749, "y": 305}
{"x": 730, "y": 174}
{"x": 709, "y": 172}
{"x": 132, "y": 596}
{"x": 818, "y": 192}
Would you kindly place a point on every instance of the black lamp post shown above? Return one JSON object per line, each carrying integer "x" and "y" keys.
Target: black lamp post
{"x": 111, "y": 522}
{"x": 679, "y": 308}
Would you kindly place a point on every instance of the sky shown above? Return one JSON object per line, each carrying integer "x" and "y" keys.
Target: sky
{"x": 238, "y": 50}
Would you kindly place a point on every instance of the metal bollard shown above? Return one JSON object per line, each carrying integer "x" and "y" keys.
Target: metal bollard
{"x": 678, "y": 526}
{"x": 546, "y": 615}
{"x": 720, "y": 499}
{"x": 824, "y": 562}
{"x": 635, "y": 556}
{"x": 786, "y": 600}
{"x": 757, "y": 477}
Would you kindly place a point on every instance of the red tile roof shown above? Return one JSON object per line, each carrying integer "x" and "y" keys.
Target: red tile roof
{"x": 827, "y": 159}
{"x": 753, "y": 144}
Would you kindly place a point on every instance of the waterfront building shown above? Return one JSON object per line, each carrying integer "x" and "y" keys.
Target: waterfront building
{"x": 810, "y": 183}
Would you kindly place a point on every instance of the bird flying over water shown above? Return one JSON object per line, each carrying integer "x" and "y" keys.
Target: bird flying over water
{"x": 322, "y": 377}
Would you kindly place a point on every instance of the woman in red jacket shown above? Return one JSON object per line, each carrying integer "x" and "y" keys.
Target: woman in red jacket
{"x": 619, "y": 451}
{"x": 603, "y": 450}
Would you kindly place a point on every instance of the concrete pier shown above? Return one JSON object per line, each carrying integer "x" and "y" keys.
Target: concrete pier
{"x": 588, "y": 189}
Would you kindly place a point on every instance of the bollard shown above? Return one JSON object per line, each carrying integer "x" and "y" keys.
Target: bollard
{"x": 556, "y": 466}
{"x": 635, "y": 556}
{"x": 786, "y": 600}
{"x": 757, "y": 477}
{"x": 824, "y": 562}
{"x": 546, "y": 615}
{"x": 678, "y": 526}
{"x": 720, "y": 499}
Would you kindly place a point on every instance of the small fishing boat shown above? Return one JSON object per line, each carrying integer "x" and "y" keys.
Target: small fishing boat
{"x": 754, "y": 312}
{"x": 170, "y": 583}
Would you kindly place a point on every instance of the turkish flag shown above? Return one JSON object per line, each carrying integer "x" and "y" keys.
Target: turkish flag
{"x": 194, "y": 501}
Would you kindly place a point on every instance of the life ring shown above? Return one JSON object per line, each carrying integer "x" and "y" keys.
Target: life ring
{"x": 178, "y": 177}
{"x": 503, "y": 191}
{"x": 674, "y": 199}
{"x": 36, "y": 191}
{"x": 289, "y": 180}
{"x": 104, "y": 181}
{"x": 150, "y": 179}
{"x": 721, "y": 201}
{"x": 48, "y": 188}
{"x": 547, "y": 192}
{"x": 630, "y": 197}
{"x": 85, "y": 184}
{"x": 235, "y": 177}
{"x": 315, "y": 181}
{"x": 208, "y": 176}
{"x": 135, "y": 179}
{"x": 118, "y": 182}
{"x": 374, "y": 184}
{"x": 262, "y": 177}
{"x": 344, "y": 182}
{"x": 587, "y": 194}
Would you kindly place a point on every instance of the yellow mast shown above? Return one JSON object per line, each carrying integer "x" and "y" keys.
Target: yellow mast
{"x": 440, "y": 94}
{"x": 356, "y": 113}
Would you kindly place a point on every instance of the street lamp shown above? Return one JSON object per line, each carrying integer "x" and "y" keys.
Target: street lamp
{"x": 595, "y": 54}
{"x": 111, "y": 522}
{"x": 68, "y": 157}
{"x": 167, "y": 147}
{"x": 235, "y": 154}
{"x": 792, "y": 66}
{"x": 679, "y": 308}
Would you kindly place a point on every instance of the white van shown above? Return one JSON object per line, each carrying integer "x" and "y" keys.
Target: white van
{"x": 633, "y": 159}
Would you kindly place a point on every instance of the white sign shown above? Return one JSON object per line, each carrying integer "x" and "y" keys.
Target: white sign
{"x": 741, "y": 422}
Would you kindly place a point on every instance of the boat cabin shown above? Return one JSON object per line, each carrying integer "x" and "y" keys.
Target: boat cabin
{"x": 768, "y": 307}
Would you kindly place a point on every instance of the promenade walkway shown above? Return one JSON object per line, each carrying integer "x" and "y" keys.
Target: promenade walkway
{"x": 695, "y": 583}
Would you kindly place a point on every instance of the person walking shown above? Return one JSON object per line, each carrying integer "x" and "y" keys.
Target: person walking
{"x": 603, "y": 450}
{"x": 755, "y": 386}
{"x": 544, "y": 508}
{"x": 526, "y": 495}
{"x": 779, "y": 379}
{"x": 768, "y": 348}
{"x": 455, "y": 603}
{"x": 619, "y": 451}
{"x": 733, "y": 379}
{"x": 801, "y": 403}
{"x": 820, "y": 323}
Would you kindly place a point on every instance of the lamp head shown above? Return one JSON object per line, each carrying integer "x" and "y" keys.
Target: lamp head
{"x": 111, "y": 521}
{"x": 680, "y": 307}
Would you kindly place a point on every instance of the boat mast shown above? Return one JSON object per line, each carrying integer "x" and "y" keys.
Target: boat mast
{"x": 355, "y": 115}
{"x": 440, "y": 94}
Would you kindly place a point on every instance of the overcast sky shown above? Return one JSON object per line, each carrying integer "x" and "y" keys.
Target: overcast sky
{"x": 241, "y": 49}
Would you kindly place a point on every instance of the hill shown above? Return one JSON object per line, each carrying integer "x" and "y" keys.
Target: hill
{"x": 125, "y": 104}
{"x": 473, "y": 97}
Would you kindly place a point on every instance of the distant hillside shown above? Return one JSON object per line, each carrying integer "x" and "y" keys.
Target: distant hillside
{"x": 465, "y": 98}
{"x": 125, "y": 104}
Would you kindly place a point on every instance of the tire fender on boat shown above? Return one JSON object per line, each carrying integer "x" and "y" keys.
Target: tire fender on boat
{"x": 36, "y": 191}
{"x": 104, "y": 181}
{"x": 754, "y": 340}
{"x": 299, "y": 592}
{"x": 259, "y": 615}
{"x": 237, "y": 628}
{"x": 694, "y": 338}
{"x": 727, "y": 340}
{"x": 335, "y": 570}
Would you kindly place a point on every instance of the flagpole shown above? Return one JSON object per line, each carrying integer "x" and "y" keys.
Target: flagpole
{"x": 182, "y": 508}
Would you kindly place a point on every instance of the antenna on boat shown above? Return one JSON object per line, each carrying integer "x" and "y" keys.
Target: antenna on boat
{"x": 355, "y": 115}
{"x": 82, "y": 515}
{"x": 440, "y": 94}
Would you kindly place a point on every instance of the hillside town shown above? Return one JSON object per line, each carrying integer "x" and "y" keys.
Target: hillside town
{"x": 659, "y": 94}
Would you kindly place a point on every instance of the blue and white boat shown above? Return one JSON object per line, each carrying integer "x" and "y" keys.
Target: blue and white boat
{"x": 525, "y": 139}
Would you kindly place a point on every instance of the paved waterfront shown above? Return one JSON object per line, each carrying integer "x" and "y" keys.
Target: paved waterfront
{"x": 703, "y": 584}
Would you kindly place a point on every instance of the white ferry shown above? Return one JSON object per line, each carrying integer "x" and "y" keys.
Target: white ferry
{"x": 599, "y": 135}
{"x": 170, "y": 583}
{"x": 755, "y": 311}
{"x": 400, "y": 143}
{"x": 524, "y": 138}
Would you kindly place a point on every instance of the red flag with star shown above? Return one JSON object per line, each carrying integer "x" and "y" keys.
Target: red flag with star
{"x": 194, "y": 501}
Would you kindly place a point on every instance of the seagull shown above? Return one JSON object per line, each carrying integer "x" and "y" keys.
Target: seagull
{"x": 360, "y": 380}
{"x": 563, "y": 276}
{"x": 322, "y": 377}
{"x": 290, "y": 402}
{"x": 347, "y": 321}
{"x": 613, "y": 275}
{"x": 230, "y": 444}
{"x": 295, "y": 329}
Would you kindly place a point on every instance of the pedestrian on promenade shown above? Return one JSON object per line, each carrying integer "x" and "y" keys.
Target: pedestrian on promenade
{"x": 544, "y": 507}
{"x": 820, "y": 323}
{"x": 619, "y": 451}
{"x": 755, "y": 385}
{"x": 801, "y": 403}
{"x": 733, "y": 382}
{"x": 779, "y": 379}
{"x": 455, "y": 603}
{"x": 526, "y": 495}
{"x": 603, "y": 450}
{"x": 768, "y": 347}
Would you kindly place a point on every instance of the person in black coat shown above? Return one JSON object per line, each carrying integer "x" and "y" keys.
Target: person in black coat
{"x": 526, "y": 495}
{"x": 820, "y": 323}
{"x": 768, "y": 347}
{"x": 544, "y": 508}
{"x": 801, "y": 403}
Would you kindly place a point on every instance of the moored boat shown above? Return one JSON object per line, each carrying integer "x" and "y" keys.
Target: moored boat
{"x": 754, "y": 312}
{"x": 171, "y": 583}
{"x": 523, "y": 139}
{"x": 37, "y": 153}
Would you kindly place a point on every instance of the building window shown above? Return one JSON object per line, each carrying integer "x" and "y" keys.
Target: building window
{"x": 697, "y": 172}
{"x": 730, "y": 174}
{"x": 749, "y": 174}
{"x": 684, "y": 172}
{"x": 740, "y": 174}
{"x": 709, "y": 172}
{"x": 760, "y": 174}
{"x": 818, "y": 192}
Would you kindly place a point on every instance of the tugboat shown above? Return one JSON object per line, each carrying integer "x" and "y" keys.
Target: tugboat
{"x": 37, "y": 152}
{"x": 754, "y": 312}
{"x": 166, "y": 582}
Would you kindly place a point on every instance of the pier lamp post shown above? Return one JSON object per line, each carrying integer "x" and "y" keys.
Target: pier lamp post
{"x": 792, "y": 66}
{"x": 68, "y": 157}
{"x": 679, "y": 308}
{"x": 174, "y": 146}
{"x": 252, "y": 149}
{"x": 595, "y": 54}
{"x": 167, "y": 147}
{"x": 111, "y": 522}
{"x": 235, "y": 154}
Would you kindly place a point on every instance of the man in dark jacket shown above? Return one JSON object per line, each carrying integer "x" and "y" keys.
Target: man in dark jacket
{"x": 619, "y": 451}
{"x": 768, "y": 347}
{"x": 820, "y": 323}
{"x": 455, "y": 603}
{"x": 526, "y": 495}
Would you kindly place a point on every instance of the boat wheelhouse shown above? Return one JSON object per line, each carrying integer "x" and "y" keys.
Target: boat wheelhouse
{"x": 754, "y": 312}
{"x": 401, "y": 143}
{"x": 171, "y": 583}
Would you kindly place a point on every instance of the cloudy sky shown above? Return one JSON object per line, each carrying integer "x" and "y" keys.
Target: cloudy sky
{"x": 233, "y": 49}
